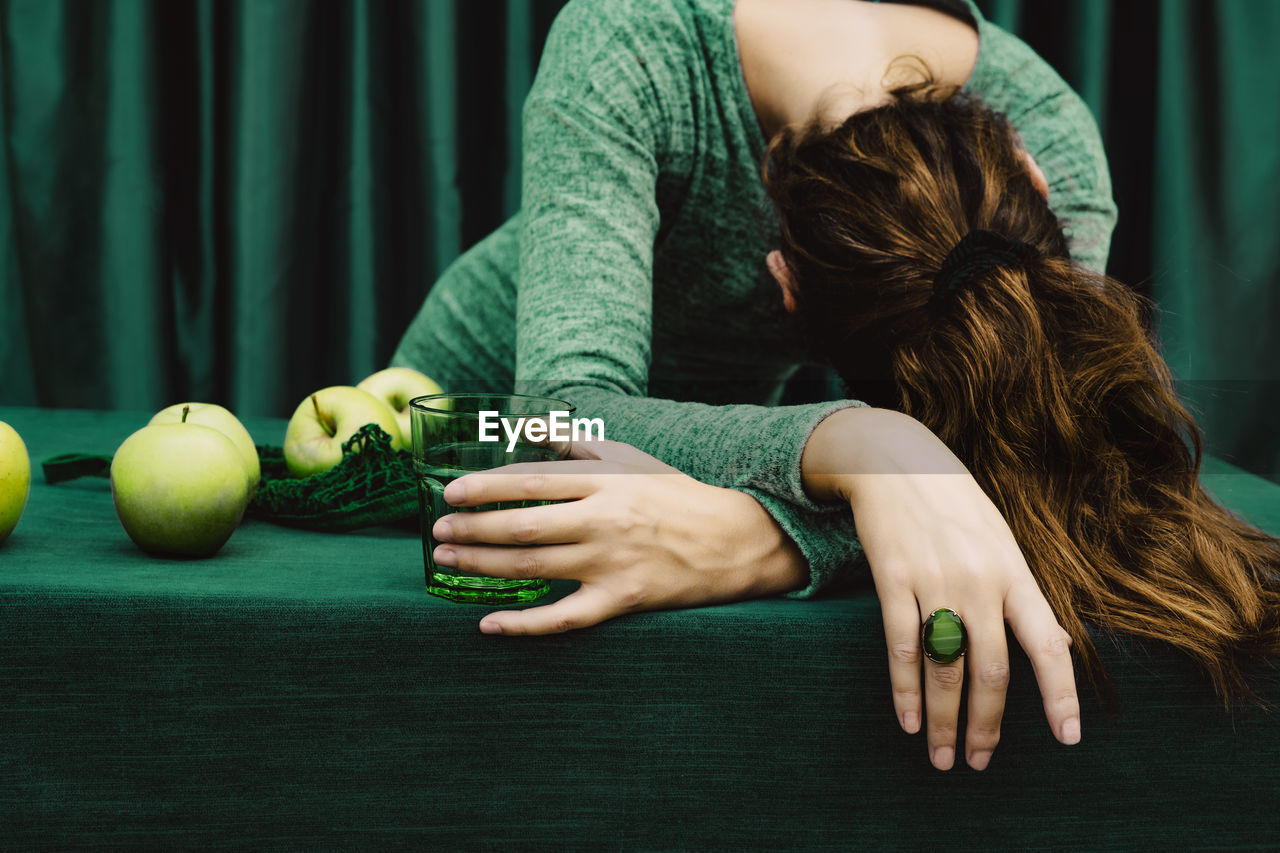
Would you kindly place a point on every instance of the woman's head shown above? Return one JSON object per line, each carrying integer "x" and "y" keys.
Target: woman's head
{"x": 870, "y": 209}
{"x": 1037, "y": 373}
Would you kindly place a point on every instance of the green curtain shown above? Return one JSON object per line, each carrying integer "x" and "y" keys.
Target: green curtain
{"x": 1187, "y": 93}
{"x": 1216, "y": 229}
{"x": 245, "y": 200}
{"x": 242, "y": 201}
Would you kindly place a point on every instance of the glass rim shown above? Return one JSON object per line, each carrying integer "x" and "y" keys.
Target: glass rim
{"x": 546, "y": 405}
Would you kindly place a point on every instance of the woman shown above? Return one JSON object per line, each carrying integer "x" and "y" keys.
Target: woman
{"x": 632, "y": 283}
{"x": 1035, "y": 371}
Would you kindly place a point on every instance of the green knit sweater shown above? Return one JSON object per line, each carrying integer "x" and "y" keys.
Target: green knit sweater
{"x": 632, "y": 282}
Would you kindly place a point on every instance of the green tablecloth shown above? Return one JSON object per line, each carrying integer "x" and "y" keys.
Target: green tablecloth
{"x": 302, "y": 690}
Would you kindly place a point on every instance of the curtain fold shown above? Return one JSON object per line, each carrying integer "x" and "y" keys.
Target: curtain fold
{"x": 241, "y": 200}
{"x": 1216, "y": 223}
{"x": 246, "y": 200}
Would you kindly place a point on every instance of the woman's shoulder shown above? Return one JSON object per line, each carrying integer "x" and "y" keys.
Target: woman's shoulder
{"x": 1060, "y": 132}
{"x": 1009, "y": 70}
{"x": 647, "y": 68}
{"x": 1012, "y": 78}
{"x": 654, "y": 43}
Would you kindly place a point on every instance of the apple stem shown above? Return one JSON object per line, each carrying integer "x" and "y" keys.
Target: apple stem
{"x": 330, "y": 428}
{"x": 186, "y": 410}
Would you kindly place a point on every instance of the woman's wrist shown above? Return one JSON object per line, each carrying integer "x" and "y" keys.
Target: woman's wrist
{"x": 851, "y": 444}
{"x": 766, "y": 559}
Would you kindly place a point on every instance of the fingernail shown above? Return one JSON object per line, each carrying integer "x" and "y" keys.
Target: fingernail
{"x": 442, "y": 531}
{"x": 455, "y": 493}
{"x": 911, "y": 722}
{"x": 490, "y": 628}
{"x": 445, "y": 556}
{"x": 944, "y": 757}
{"x": 1071, "y": 731}
{"x": 980, "y": 759}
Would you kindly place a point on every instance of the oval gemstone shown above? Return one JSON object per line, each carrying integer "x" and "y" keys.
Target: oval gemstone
{"x": 943, "y": 636}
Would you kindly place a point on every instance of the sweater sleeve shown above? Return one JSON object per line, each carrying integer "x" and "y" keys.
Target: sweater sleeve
{"x": 593, "y": 132}
{"x": 1059, "y": 132}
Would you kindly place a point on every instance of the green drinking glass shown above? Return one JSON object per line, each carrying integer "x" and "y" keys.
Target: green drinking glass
{"x": 457, "y": 434}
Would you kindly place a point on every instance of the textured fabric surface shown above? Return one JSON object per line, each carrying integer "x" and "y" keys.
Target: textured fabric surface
{"x": 301, "y": 691}
{"x": 632, "y": 282}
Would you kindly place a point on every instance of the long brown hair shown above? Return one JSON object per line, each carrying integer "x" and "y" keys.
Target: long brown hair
{"x": 1040, "y": 376}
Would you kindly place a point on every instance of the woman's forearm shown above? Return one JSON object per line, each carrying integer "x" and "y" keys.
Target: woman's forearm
{"x": 852, "y": 444}
{"x": 769, "y": 561}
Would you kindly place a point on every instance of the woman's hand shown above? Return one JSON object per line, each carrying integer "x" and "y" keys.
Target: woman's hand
{"x": 638, "y": 534}
{"x": 934, "y": 539}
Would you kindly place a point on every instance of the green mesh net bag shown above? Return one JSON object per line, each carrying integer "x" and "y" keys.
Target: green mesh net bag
{"x": 373, "y": 484}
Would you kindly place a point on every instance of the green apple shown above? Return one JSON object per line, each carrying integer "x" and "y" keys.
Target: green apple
{"x": 179, "y": 488}
{"x": 323, "y": 422}
{"x": 15, "y": 479}
{"x": 210, "y": 415}
{"x": 396, "y": 386}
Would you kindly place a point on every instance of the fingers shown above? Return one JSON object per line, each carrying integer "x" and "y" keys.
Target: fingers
{"x": 587, "y": 606}
{"x": 988, "y": 663}
{"x": 526, "y": 481}
{"x": 1048, "y": 646}
{"x": 943, "y": 683}
{"x": 538, "y": 525}
{"x": 902, "y": 634}
{"x": 543, "y": 561}
{"x": 562, "y": 480}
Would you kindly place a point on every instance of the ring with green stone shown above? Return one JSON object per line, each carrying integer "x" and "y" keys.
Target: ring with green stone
{"x": 943, "y": 636}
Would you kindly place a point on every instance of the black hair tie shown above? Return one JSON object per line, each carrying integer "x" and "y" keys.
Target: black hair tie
{"x": 977, "y": 252}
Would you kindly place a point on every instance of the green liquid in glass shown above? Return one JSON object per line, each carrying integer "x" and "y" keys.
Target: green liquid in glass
{"x": 444, "y": 465}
